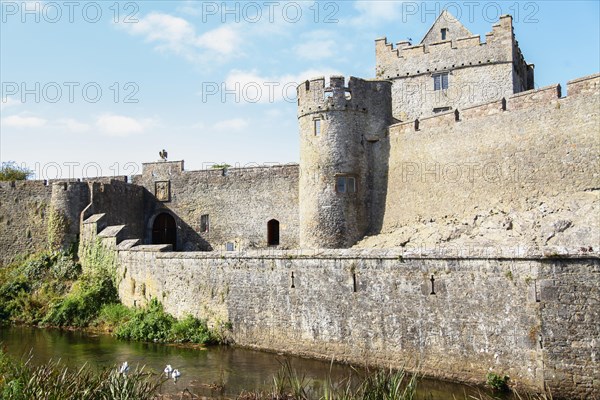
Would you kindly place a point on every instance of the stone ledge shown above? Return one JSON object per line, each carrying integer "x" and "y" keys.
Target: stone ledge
{"x": 481, "y": 253}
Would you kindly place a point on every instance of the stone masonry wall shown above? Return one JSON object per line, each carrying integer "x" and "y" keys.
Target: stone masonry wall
{"x": 24, "y": 209}
{"x": 352, "y": 119}
{"x": 527, "y": 318}
{"x": 239, "y": 202}
{"x": 478, "y": 72}
{"x": 542, "y": 145}
{"x": 121, "y": 202}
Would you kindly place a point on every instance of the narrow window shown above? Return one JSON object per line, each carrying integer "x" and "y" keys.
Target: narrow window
{"x": 444, "y": 32}
{"x": 351, "y": 184}
{"x": 416, "y": 124}
{"x": 340, "y": 184}
{"x": 229, "y": 246}
{"x": 440, "y": 81}
{"x": 204, "y": 223}
{"x": 456, "y": 115}
{"x": 317, "y": 127}
{"x": 354, "y": 283}
{"x": 273, "y": 232}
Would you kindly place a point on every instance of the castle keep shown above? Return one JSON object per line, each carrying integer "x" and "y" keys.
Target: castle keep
{"x": 444, "y": 213}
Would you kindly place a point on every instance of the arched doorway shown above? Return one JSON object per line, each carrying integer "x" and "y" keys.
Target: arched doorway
{"x": 164, "y": 230}
{"x": 273, "y": 232}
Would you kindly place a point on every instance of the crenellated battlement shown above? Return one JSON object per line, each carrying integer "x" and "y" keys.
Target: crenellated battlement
{"x": 358, "y": 95}
{"x": 406, "y": 59}
{"x": 587, "y": 87}
{"x": 8, "y": 185}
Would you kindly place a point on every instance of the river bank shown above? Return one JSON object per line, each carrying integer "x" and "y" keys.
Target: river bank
{"x": 215, "y": 371}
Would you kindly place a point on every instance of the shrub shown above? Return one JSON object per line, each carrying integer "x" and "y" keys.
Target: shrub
{"x": 114, "y": 314}
{"x": 147, "y": 324}
{"x": 153, "y": 324}
{"x": 193, "y": 330}
{"x": 497, "y": 382}
{"x": 80, "y": 307}
{"x": 10, "y": 171}
{"x": 31, "y": 285}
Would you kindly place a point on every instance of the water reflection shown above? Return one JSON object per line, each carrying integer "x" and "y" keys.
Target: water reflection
{"x": 202, "y": 370}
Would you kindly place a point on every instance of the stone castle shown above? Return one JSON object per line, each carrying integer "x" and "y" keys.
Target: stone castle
{"x": 448, "y": 199}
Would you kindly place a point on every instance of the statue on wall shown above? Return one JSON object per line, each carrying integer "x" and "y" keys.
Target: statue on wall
{"x": 163, "y": 154}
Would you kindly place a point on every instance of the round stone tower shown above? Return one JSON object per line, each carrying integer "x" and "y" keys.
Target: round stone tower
{"x": 67, "y": 202}
{"x": 338, "y": 125}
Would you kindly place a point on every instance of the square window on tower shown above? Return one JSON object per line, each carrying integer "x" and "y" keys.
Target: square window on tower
{"x": 345, "y": 184}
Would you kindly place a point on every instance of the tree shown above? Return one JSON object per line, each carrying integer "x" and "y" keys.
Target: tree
{"x": 10, "y": 171}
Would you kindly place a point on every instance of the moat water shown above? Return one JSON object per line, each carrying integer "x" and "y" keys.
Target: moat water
{"x": 237, "y": 369}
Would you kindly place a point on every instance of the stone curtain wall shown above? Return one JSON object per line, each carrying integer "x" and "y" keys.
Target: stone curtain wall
{"x": 542, "y": 145}
{"x": 24, "y": 211}
{"x": 533, "y": 319}
{"x": 121, "y": 202}
{"x": 570, "y": 309}
{"x": 239, "y": 202}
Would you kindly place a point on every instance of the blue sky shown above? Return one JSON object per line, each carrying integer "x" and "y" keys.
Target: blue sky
{"x": 99, "y": 87}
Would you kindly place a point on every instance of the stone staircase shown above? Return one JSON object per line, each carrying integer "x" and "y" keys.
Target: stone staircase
{"x": 115, "y": 237}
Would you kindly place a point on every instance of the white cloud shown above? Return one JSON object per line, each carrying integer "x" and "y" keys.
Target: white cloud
{"x": 251, "y": 87}
{"x": 177, "y": 35}
{"x": 20, "y": 121}
{"x": 118, "y": 125}
{"x": 318, "y": 45}
{"x": 189, "y": 7}
{"x": 167, "y": 31}
{"x": 223, "y": 40}
{"x": 235, "y": 124}
{"x": 8, "y": 102}
{"x": 73, "y": 125}
{"x": 376, "y": 12}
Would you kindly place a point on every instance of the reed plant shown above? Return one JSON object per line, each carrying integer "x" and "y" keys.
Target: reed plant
{"x": 23, "y": 380}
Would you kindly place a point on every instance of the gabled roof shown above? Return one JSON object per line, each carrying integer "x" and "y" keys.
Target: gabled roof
{"x": 446, "y": 21}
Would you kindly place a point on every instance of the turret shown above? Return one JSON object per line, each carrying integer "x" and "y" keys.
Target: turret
{"x": 67, "y": 202}
{"x": 338, "y": 123}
